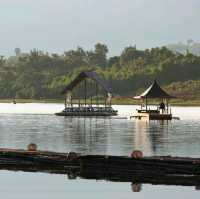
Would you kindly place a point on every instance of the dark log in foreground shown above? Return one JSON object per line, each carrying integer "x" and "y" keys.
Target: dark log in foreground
{"x": 154, "y": 170}
{"x": 150, "y": 165}
{"x": 142, "y": 178}
{"x": 25, "y": 157}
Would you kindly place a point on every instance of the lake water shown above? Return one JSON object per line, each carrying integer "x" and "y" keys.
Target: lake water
{"x": 21, "y": 124}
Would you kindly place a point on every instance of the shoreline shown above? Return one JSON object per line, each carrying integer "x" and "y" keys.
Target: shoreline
{"x": 115, "y": 101}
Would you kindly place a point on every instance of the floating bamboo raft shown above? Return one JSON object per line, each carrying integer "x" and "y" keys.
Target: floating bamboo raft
{"x": 154, "y": 170}
{"x": 87, "y": 112}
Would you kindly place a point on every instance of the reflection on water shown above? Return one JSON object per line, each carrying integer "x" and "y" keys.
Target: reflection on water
{"x": 100, "y": 136}
{"x": 149, "y": 134}
{"x": 136, "y": 187}
{"x": 95, "y": 136}
{"x": 85, "y": 135}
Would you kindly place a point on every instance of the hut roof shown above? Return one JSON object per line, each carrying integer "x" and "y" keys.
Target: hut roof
{"x": 91, "y": 75}
{"x": 154, "y": 91}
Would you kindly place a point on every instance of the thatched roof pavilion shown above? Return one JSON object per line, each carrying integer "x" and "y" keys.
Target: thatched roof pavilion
{"x": 162, "y": 112}
{"x": 93, "y": 96}
{"x": 91, "y": 75}
{"x": 154, "y": 91}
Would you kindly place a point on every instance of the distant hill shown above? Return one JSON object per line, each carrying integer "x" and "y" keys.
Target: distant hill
{"x": 183, "y": 48}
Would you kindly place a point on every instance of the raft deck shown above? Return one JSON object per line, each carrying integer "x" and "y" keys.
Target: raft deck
{"x": 151, "y": 115}
{"x": 88, "y": 111}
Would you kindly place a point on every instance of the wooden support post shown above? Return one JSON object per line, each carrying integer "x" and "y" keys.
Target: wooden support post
{"x": 65, "y": 101}
{"x": 97, "y": 98}
{"x": 71, "y": 101}
{"x": 85, "y": 91}
{"x": 167, "y": 102}
{"x": 146, "y": 103}
{"x": 105, "y": 101}
{"x": 91, "y": 101}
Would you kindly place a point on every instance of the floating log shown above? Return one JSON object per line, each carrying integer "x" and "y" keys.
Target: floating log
{"x": 157, "y": 164}
{"x": 137, "y": 169}
{"x": 27, "y": 157}
{"x": 142, "y": 178}
{"x": 152, "y": 165}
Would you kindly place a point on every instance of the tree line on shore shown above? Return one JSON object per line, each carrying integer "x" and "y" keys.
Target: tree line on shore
{"x": 39, "y": 75}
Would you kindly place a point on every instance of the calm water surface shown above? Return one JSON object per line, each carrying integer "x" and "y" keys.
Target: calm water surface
{"x": 21, "y": 124}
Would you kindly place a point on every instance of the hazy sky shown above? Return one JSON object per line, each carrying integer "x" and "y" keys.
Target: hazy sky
{"x": 59, "y": 25}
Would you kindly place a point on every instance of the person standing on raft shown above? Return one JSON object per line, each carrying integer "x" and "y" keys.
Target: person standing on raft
{"x": 162, "y": 107}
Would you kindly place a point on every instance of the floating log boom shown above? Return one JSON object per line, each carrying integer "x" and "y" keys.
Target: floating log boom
{"x": 155, "y": 169}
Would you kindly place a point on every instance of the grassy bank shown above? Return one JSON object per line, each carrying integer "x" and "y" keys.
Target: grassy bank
{"x": 117, "y": 101}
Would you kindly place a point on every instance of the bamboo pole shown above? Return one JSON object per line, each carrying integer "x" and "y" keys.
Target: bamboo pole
{"x": 85, "y": 91}
{"x": 97, "y": 98}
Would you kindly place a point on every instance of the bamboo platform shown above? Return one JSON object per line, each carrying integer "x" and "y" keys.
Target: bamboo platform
{"x": 87, "y": 112}
{"x": 155, "y": 170}
{"x": 151, "y": 115}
